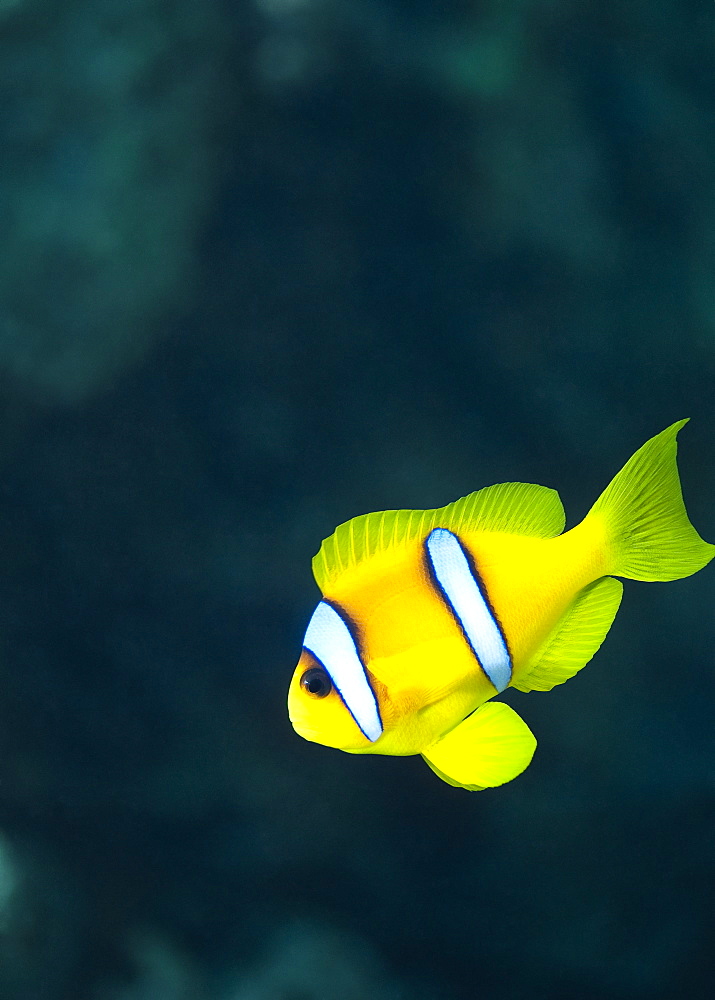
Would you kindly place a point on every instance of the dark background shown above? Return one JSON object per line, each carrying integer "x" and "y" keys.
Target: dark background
{"x": 266, "y": 266}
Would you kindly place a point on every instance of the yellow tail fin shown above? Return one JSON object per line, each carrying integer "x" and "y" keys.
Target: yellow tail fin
{"x": 650, "y": 534}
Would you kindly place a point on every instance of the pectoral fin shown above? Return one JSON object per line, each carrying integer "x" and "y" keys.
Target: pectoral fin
{"x": 491, "y": 746}
{"x": 575, "y": 639}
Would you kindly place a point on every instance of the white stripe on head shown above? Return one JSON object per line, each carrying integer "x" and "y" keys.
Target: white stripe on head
{"x": 462, "y": 592}
{"x": 330, "y": 641}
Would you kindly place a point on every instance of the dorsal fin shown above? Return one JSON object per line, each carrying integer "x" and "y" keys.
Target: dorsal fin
{"x": 515, "y": 508}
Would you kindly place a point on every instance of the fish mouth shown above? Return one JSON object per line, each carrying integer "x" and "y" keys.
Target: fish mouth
{"x": 305, "y": 732}
{"x": 316, "y": 735}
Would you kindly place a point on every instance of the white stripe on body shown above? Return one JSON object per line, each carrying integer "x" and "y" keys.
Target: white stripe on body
{"x": 462, "y": 592}
{"x": 330, "y": 641}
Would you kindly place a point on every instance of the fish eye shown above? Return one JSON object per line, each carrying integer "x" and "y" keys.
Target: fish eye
{"x": 316, "y": 682}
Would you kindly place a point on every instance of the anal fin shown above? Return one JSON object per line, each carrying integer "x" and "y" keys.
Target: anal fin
{"x": 575, "y": 639}
{"x": 491, "y": 746}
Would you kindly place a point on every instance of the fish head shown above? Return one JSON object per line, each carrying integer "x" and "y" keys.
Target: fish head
{"x": 317, "y": 710}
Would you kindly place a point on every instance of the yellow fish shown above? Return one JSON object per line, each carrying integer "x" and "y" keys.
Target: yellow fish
{"x": 428, "y": 614}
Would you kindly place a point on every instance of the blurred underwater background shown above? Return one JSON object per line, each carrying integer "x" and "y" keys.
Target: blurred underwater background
{"x": 269, "y": 264}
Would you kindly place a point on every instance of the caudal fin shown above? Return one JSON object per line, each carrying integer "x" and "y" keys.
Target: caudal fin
{"x": 650, "y": 536}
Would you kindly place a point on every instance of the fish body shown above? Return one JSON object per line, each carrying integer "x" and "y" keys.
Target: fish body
{"x": 428, "y": 615}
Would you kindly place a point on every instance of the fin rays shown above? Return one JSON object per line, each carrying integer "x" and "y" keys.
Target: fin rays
{"x": 491, "y": 746}
{"x": 651, "y": 537}
{"x": 517, "y": 508}
{"x": 576, "y": 638}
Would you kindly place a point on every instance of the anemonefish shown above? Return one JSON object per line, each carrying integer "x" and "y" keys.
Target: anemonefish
{"x": 429, "y": 614}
